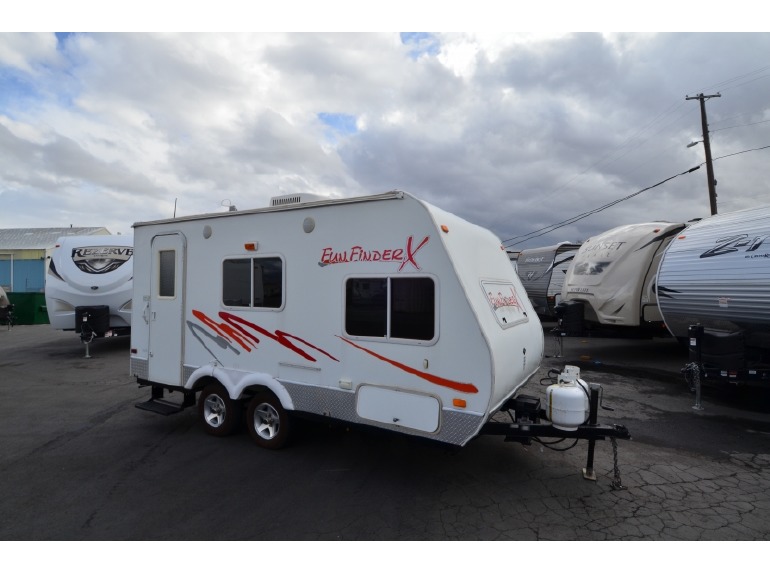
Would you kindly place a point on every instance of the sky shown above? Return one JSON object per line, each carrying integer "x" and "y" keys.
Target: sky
{"x": 525, "y": 133}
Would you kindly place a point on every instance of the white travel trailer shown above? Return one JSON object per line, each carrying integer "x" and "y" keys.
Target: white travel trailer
{"x": 716, "y": 275}
{"x": 380, "y": 310}
{"x": 542, "y": 271}
{"x": 88, "y": 287}
{"x": 609, "y": 288}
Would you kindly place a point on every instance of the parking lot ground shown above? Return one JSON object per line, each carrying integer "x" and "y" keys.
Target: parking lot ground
{"x": 79, "y": 462}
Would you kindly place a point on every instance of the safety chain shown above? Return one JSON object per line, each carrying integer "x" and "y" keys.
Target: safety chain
{"x": 692, "y": 376}
{"x": 616, "y": 484}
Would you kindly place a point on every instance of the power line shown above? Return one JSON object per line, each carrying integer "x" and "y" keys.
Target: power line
{"x": 739, "y": 126}
{"x": 554, "y": 226}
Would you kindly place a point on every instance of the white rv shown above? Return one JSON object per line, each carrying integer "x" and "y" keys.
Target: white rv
{"x": 380, "y": 310}
{"x": 716, "y": 274}
{"x": 610, "y": 286}
{"x": 88, "y": 287}
{"x": 542, "y": 271}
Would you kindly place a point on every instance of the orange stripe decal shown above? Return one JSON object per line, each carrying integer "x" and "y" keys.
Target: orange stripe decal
{"x": 461, "y": 387}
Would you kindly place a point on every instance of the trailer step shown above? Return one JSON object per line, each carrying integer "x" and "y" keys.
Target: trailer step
{"x": 161, "y": 407}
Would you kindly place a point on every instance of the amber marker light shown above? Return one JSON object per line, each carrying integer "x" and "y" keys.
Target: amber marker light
{"x": 253, "y": 246}
{"x": 445, "y": 229}
{"x": 681, "y": 237}
{"x": 459, "y": 403}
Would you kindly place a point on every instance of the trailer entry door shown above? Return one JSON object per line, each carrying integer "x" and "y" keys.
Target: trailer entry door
{"x": 167, "y": 309}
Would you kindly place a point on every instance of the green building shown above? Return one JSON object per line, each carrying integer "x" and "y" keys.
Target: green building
{"x": 24, "y": 257}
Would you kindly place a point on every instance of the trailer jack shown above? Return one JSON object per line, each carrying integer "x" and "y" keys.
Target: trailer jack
{"x": 530, "y": 422}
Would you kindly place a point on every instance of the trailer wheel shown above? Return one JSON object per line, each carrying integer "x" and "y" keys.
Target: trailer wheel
{"x": 220, "y": 414}
{"x": 268, "y": 421}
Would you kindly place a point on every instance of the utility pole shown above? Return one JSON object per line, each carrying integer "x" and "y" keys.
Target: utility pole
{"x": 707, "y": 147}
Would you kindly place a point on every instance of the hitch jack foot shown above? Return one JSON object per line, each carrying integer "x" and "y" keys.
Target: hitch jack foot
{"x": 589, "y": 474}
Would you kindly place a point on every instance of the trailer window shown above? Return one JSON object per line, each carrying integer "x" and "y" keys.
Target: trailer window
{"x": 166, "y": 273}
{"x": 253, "y": 282}
{"x": 396, "y": 307}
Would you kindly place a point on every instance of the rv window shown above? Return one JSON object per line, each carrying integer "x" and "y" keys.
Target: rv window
{"x": 253, "y": 282}
{"x": 412, "y": 308}
{"x": 403, "y": 307}
{"x": 366, "y": 310}
{"x": 166, "y": 273}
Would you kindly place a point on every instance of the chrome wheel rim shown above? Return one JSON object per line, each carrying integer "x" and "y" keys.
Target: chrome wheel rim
{"x": 214, "y": 411}
{"x": 266, "y": 421}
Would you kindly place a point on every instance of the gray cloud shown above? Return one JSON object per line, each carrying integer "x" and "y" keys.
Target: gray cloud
{"x": 509, "y": 134}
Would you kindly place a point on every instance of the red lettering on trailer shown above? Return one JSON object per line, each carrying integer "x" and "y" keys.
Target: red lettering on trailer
{"x": 357, "y": 254}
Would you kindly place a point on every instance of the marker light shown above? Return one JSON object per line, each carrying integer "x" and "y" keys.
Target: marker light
{"x": 445, "y": 229}
{"x": 459, "y": 403}
{"x": 253, "y": 246}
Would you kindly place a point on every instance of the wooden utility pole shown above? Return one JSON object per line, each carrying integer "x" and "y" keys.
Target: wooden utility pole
{"x": 707, "y": 147}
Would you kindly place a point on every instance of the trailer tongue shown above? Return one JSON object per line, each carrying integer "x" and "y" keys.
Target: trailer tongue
{"x": 570, "y": 413}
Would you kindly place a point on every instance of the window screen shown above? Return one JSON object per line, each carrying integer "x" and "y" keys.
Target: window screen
{"x": 253, "y": 282}
{"x": 166, "y": 273}
{"x": 397, "y": 307}
{"x": 366, "y": 307}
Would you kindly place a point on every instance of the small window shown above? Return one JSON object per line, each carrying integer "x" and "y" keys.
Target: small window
{"x": 366, "y": 307}
{"x": 412, "y": 308}
{"x": 166, "y": 273}
{"x": 397, "y": 307}
{"x": 253, "y": 282}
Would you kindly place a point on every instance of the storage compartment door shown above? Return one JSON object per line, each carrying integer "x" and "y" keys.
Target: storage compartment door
{"x": 400, "y": 408}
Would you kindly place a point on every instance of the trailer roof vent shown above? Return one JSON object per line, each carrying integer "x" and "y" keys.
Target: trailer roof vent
{"x": 294, "y": 199}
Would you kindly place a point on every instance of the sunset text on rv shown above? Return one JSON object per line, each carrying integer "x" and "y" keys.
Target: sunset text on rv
{"x": 610, "y": 290}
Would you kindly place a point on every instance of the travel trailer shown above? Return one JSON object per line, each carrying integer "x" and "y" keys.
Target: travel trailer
{"x": 381, "y": 311}
{"x": 609, "y": 289}
{"x": 714, "y": 292}
{"x": 542, "y": 271}
{"x": 88, "y": 287}
{"x": 514, "y": 257}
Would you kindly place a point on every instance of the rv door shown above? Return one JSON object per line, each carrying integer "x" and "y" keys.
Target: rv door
{"x": 167, "y": 296}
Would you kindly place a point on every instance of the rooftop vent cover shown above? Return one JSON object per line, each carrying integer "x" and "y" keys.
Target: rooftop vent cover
{"x": 294, "y": 199}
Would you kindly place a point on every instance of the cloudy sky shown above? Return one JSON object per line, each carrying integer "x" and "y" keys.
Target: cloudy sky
{"x": 516, "y": 132}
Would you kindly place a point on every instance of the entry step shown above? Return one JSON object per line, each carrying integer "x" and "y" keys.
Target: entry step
{"x": 161, "y": 407}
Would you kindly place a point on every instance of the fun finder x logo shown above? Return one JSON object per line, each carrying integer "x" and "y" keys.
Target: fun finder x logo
{"x": 405, "y": 256}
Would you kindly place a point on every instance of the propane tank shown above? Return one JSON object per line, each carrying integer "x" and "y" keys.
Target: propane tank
{"x": 567, "y": 404}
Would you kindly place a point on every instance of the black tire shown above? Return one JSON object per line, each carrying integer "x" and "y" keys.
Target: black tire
{"x": 219, "y": 413}
{"x": 268, "y": 422}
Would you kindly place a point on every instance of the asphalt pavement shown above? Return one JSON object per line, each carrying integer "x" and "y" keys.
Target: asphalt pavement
{"x": 79, "y": 462}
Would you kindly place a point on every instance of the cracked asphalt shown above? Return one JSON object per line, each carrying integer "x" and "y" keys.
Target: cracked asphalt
{"x": 79, "y": 462}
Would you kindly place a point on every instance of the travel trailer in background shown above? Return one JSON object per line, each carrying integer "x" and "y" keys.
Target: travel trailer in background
{"x": 609, "y": 289}
{"x": 381, "y": 311}
{"x": 715, "y": 276}
{"x": 88, "y": 287}
{"x": 542, "y": 271}
{"x": 514, "y": 257}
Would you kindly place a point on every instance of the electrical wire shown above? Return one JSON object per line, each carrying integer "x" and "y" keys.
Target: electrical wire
{"x": 725, "y": 85}
{"x": 576, "y": 218}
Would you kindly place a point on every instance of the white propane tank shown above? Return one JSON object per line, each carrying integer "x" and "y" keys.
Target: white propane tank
{"x": 567, "y": 404}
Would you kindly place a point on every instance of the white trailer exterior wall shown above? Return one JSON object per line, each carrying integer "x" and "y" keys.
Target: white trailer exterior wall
{"x": 613, "y": 274}
{"x": 313, "y": 347}
{"x": 88, "y": 271}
